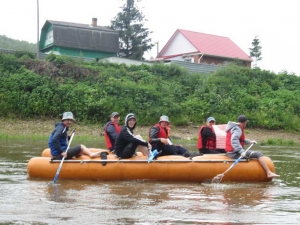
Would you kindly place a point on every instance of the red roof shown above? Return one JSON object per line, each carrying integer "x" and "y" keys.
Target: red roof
{"x": 212, "y": 45}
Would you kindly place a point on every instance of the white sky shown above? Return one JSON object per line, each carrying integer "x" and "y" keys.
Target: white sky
{"x": 276, "y": 22}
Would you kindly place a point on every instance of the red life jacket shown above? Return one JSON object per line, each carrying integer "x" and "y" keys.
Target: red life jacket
{"x": 228, "y": 146}
{"x": 162, "y": 132}
{"x": 210, "y": 143}
{"x": 107, "y": 139}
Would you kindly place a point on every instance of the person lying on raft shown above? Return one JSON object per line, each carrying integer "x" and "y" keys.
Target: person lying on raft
{"x": 126, "y": 142}
{"x": 159, "y": 139}
{"x": 235, "y": 140}
{"x": 207, "y": 141}
{"x": 58, "y": 141}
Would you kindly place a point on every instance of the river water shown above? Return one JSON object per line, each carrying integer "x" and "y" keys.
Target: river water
{"x": 35, "y": 201}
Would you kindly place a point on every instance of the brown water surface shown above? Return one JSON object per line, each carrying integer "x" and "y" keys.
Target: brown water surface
{"x": 35, "y": 201}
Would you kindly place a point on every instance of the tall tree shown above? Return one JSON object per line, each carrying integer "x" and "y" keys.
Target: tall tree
{"x": 133, "y": 36}
{"x": 256, "y": 50}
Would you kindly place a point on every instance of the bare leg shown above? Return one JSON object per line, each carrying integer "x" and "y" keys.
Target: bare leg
{"x": 139, "y": 137}
{"x": 86, "y": 151}
{"x": 143, "y": 150}
{"x": 266, "y": 168}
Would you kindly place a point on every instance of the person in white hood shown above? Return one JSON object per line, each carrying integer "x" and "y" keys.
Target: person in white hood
{"x": 235, "y": 141}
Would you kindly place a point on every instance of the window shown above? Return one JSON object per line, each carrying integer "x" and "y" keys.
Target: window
{"x": 187, "y": 60}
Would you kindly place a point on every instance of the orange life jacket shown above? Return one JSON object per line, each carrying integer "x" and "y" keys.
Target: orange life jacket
{"x": 107, "y": 139}
{"x": 210, "y": 143}
{"x": 162, "y": 132}
{"x": 228, "y": 146}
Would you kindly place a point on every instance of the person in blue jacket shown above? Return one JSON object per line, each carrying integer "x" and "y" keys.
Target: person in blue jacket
{"x": 58, "y": 140}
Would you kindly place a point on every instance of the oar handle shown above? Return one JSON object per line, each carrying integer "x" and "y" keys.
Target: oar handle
{"x": 62, "y": 161}
{"x": 236, "y": 161}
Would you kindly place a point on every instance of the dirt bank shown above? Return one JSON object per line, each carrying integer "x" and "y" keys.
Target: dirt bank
{"x": 44, "y": 127}
{"x": 190, "y": 132}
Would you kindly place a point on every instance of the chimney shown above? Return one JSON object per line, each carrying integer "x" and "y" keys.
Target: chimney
{"x": 94, "y": 22}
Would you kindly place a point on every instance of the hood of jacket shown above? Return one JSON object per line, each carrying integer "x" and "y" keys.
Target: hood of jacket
{"x": 61, "y": 124}
{"x": 58, "y": 123}
{"x": 230, "y": 125}
{"x": 127, "y": 118}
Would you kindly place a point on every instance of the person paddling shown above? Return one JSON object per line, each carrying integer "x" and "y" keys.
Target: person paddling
{"x": 58, "y": 140}
{"x": 235, "y": 141}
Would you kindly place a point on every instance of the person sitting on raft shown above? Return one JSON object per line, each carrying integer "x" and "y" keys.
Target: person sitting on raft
{"x": 159, "y": 138}
{"x": 111, "y": 130}
{"x": 126, "y": 142}
{"x": 207, "y": 141}
{"x": 235, "y": 141}
{"x": 58, "y": 141}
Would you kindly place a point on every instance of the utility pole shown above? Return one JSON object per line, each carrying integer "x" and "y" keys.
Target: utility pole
{"x": 157, "y": 48}
{"x": 38, "y": 34}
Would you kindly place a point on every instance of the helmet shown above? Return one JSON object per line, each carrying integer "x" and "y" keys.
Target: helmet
{"x": 164, "y": 119}
{"x": 68, "y": 116}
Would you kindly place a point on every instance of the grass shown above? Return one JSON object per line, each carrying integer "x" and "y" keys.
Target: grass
{"x": 11, "y": 129}
{"x": 41, "y": 129}
{"x": 278, "y": 142}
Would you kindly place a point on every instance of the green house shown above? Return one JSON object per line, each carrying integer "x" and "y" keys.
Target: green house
{"x": 81, "y": 40}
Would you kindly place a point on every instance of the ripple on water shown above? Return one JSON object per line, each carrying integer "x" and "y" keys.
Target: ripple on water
{"x": 32, "y": 201}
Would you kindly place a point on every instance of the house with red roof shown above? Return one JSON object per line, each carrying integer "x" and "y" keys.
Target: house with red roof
{"x": 202, "y": 48}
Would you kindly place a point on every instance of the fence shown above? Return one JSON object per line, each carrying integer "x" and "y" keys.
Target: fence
{"x": 191, "y": 67}
{"x": 197, "y": 67}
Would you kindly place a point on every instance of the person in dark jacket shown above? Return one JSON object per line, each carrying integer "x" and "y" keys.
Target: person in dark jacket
{"x": 126, "y": 142}
{"x": 111, "y": 130}
{"x": 159, "y": 138}
{"x": 207, "y": 141}
{"x": 58, "y": 141}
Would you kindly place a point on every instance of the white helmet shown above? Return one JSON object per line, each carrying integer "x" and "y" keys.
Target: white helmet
{"x": 164, "y": 119}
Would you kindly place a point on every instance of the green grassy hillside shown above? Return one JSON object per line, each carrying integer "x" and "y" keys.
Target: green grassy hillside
{"x": 9, "y": 43}
{"x": 35, "y": 89}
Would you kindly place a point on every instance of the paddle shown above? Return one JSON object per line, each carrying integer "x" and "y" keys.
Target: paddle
{"x": 62, "y": 161}
{"x": 152, "y": 155}
{"x": 219, "y": 177}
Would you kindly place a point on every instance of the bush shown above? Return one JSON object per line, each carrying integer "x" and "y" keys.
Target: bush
{"x": 94, "y": 90}
{"x": 25, "y": 54}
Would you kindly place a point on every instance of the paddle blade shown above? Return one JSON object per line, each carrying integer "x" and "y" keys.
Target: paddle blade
{"x": 218, "y": 178}
{"x": 152, "y": 155}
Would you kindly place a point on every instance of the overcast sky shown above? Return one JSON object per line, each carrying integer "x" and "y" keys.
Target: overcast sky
{"x": 276, "y": 22}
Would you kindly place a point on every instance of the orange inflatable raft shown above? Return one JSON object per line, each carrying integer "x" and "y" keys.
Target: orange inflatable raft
{"x": 165, "y": 168}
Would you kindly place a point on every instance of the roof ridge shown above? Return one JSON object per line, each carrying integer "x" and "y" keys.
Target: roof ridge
{"x": 203, "y": 33}
{"x": 78, "y": 24}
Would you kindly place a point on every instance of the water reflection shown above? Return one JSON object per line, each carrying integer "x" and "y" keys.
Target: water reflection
{"x": 34, "y": 201}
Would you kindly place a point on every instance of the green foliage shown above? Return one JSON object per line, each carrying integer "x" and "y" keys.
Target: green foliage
{"x": 9, "y": 43}
{"x": 57, "y": 60}
{"x": 9, "y": 63}
{"x": 24, "y": 54}
{"x": 256, "y": 50}
{"x": 134, "y": 37}
{"x": 93, "y": 90}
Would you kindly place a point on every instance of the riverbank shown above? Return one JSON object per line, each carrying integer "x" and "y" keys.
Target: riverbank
{"x": 40, "y": 129}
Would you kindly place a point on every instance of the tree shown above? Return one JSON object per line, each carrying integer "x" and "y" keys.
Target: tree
{"x": 256, "y": 50}
{"x": 133, "y": 36}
